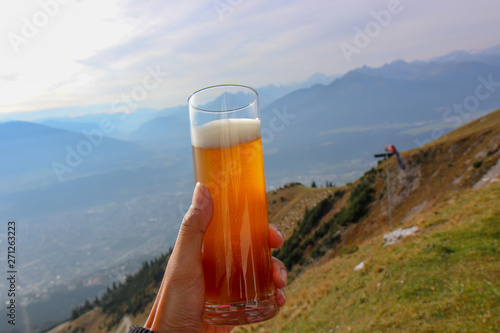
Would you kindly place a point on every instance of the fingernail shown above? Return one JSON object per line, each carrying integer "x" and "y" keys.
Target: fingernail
{"x": 282, "y": 293}
{"x": 283, "y": 275}
{"x": 279, "y": 233}
{"x": 198, "y": 196}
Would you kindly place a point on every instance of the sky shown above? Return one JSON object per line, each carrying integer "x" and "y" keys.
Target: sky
{"x": 88, "y": 56}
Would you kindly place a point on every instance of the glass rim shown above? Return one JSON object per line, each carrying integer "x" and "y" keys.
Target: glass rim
{"x": 198, "y": 109}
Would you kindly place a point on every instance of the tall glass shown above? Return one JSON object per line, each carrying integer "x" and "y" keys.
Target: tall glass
{"x": 227, "y": 158}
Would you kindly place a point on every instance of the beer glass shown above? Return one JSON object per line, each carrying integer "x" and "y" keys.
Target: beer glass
{"x": 227, "y": 158}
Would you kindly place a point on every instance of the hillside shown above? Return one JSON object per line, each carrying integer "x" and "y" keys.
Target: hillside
{"x": 34, "y": 149}
{"x": 444, "y": 278}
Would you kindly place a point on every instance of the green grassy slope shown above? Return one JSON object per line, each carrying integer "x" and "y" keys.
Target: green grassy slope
{"x": 444, "y": 279}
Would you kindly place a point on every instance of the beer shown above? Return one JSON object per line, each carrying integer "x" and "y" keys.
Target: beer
{"x": 227, "y": 158}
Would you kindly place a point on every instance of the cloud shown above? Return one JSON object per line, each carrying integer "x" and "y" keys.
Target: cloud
{"x": 94, "y": 51}
{"x": 10, "y": 77}
{"x": 113, "y": 54}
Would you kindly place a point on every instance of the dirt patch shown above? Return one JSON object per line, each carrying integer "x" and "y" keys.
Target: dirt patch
{"x": 415, "y": 210}
{"x": 492, "y": 176}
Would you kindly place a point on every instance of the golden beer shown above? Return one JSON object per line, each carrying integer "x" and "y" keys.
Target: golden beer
{"x": 227, "y": 158}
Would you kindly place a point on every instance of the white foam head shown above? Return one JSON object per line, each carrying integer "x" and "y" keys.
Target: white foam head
{"x": 225, "y": 133}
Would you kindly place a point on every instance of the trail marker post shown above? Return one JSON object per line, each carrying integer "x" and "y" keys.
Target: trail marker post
{"x": 385, "y": 156}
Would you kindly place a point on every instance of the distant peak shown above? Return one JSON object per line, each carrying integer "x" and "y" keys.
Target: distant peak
{"x": 320, "y": 78}
{"x": 317, "y": 76}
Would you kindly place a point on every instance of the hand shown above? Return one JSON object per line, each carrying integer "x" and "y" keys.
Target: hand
{"x": 180, "y": 301}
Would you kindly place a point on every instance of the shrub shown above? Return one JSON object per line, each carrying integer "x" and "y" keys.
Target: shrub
{"x": 293, "y": 250}
{"x": 130, "y": 297}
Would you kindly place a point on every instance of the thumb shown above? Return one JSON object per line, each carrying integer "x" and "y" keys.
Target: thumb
{"x": 195, "y": 223}
{"x": 181, "y": 295}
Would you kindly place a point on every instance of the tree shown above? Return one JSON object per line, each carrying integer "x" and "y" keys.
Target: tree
{"x": 74, "y": 314}
{"x": 313, "y": 184}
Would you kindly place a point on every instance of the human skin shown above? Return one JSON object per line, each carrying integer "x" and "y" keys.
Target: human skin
{"x": 179, "y": 304}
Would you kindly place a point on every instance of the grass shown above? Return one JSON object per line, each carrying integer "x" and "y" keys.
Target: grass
{"x": 445, "y": 279}
{"x": 286, "y": 205}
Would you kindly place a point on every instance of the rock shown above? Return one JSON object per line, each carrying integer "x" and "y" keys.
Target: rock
{"x": 489, "y": 177}
{"x": 397, "y": 235}
{"x": 360, "y": 266}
